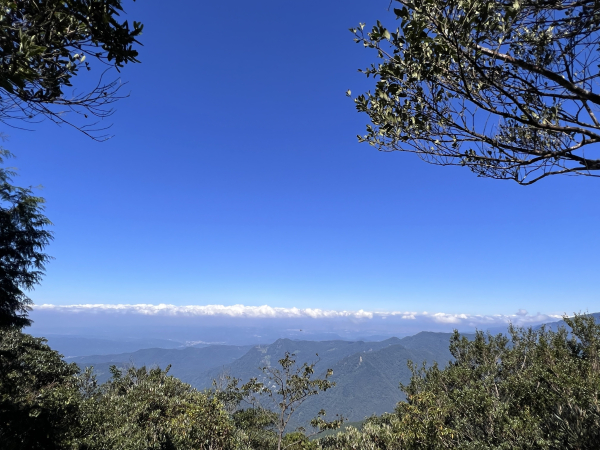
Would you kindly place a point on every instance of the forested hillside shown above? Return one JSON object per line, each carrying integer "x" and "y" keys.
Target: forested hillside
{"x": 368, "y": 383}
{"x": 367, "y": 374}
{"x": 325, "y": 353}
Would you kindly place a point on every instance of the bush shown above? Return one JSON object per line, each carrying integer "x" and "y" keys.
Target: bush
{"x": 39, "y": 395}
{"x": 147, "y": 409}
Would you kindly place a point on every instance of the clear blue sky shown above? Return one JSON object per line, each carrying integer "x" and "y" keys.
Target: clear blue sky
{"x": 235, "y": 177}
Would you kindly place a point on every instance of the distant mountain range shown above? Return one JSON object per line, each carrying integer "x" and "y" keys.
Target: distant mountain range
{"x": 76, "y": 345}
{"x": 561, "y": 323}
{"x": 186, "y": 363}
{"x": 367, "y": 374}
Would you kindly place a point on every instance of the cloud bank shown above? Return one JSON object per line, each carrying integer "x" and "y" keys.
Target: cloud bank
{"x": 266, "y": 312}
{"x": 243, "y": 324}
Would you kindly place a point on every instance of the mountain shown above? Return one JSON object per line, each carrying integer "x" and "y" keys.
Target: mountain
{"x": 75, "y": 345}
{"x": 368, "y": 383}
{"x": 185, "y": 363}
{"x": 327, "y": 353}
{"x": 554, "y": 326}
{"x": 367, "y": 374}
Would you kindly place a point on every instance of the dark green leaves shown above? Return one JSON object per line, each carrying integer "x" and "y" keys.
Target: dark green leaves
{"x": 44, "y": 44}
{"x": 23, "y": 237}
{"x": 39, "y": 394}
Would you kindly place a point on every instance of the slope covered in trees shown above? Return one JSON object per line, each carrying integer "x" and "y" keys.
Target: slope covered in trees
{"x": 532, "y": 389}
{"x": 366, "y": 374}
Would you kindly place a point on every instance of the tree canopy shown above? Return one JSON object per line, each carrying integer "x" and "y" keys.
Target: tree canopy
{"x": 505, "y": 88}
{"x": 148, "y": 409}
{"x": 531, "y": 389}
{"x": 46, "y": 403}
{"x": 39, "y": 394}
{"x": 44, "y": 45}
{"x": 23, "y": 236}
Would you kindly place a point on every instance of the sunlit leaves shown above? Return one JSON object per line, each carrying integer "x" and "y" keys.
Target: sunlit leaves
{"x": 147, "y": 409}
{"x": 513, "y": 81}
{"x": 43, "y": 45}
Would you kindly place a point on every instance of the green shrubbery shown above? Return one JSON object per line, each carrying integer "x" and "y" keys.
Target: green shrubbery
{"x": 46, "y": 403}
{"x": 39, "y": 394}
{"x": 147, "y": 409}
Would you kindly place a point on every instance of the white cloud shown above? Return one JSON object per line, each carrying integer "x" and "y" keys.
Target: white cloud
{"x": 242, "y": 311}
{"x": 269, "y": 312}
{"x": 243, "y": 324}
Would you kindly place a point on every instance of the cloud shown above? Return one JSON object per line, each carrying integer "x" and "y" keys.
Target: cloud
{"x": 238, "y": 311}
{"x": 270, "y": 312}
{"x": 244, "y": 324}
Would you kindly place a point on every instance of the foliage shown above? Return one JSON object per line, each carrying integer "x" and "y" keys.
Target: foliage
{"x": 289, "y": 386}
{"x": 297, "y": 440}
{"x": 45, "y": 404}
{"x": 23, "y": 237}
{"x": 250, "y": 417}
{"x": 535, "y": 389}
{"x": 257, "y": 425}
{"x": 44, "y": 44}
{"x": 376, "y": 433}
{"x": 504, "y": 87}
{"x": 286, "y": 387}
{"x": 370, "y": 370}
{"x": 39, "y": 394}
{"x": 347, "y": 426}
{"x": 147, "y": 409}
{"x": 530, "y": 389}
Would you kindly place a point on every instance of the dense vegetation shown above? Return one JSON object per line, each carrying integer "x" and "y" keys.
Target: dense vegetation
{"x": 530, "y": 389}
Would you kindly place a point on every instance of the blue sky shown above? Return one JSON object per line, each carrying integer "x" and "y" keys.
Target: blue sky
{"x": 235, "y": 177}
